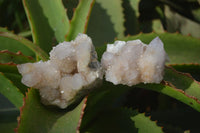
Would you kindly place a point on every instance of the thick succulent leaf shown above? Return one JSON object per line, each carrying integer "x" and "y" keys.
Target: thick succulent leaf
{"x": 44, "y": 119}
{"x": 18, "y": 58}
{"x": 14, "y": 43}
{"x": 8, "y": 68}
{"x": 168, "y": 89}
{"x": 71, "y": 121}
{"x": 131, "y": 14}
{"x": 100, "y": 31}
{"x": 193, "y": 69}
{"x": 145, "y": 124}
{"x": 183, "y": 81}
{"x": 177, "y": 46}
{"x": 177, "y": 22}
{"x": 48, "y": 21}
{"x": 175, "y": 119}
{"x": 4, "y": 29}
{"x": 112, "y": 121}
{"x": 10, "y": 91}
{"x": 80, "y": 19}
{"x": 8, "y": 114}
{"x": 187, "y": 8}
{"x": 11, "y": 72}
{"x": 122, "y": 120}
{"x": 106, "y": 21}
{"x": 115, "y": 11}
{"x": 107, "y": 97}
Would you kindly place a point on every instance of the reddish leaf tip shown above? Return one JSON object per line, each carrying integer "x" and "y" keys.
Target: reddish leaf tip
{"x": 82, "y": 113}
{"x": 21, "y": 111}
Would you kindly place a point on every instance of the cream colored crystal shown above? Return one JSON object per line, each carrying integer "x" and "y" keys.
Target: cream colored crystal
{"x": 72, "y": 67}
{"x": 133, "y": 62}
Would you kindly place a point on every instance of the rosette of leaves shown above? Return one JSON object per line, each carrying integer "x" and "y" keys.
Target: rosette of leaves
{"x": 171, "y": 106}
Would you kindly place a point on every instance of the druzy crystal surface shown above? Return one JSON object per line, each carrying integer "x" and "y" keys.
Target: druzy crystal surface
{"x": 133, "y": 62}
{"x": 72, "y": 68}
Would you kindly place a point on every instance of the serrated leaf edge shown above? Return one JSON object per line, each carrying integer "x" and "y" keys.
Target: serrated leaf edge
{"x": 21, "y": 111}
{"x": 81, "y": 115}
{"x": 19, "y": 53}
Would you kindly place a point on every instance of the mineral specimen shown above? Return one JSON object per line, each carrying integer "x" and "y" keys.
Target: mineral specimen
{"x": 133, "y": 62}
{"x": 72, "y": 68}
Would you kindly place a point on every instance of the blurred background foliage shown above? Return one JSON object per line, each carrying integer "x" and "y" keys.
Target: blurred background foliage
{"x": 139, "y": 16}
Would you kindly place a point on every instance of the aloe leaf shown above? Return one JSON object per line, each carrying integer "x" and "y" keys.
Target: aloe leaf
{"x": 14, "y": 43}
{"x": 8, "y": 68}
{"x": 48, "y": 21}
{"x": 145, "y": 124}
{"x": 100, "y": 31}
{"x": 106, "y": 21}
{"x": 122, "y": 120}
{"x": 183, "y": 81}
{"x": 176, "y": 22}
{"x": 107, "y": 97}
{"x": 115, "y": 11}
{"x": 71, "y": 121}
{"x": 8, "y": 120}
{"x": 115, "y": 120}
{"x": 4, "y": 29}
{"x": 178, "y": 94}
{"x": 131, "y": 14}
{"x": 177, "y": 46}
{"x": 45, "y": 119}
{"x": 18, "y": 58}
{"x": 80, "y": 19}
{"x": 193, "y": 69}
{"x": 10, "y": 71}
{"x": 10, "y": 91}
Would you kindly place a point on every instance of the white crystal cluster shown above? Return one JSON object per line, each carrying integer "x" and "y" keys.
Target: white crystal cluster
{"x": 133, "y": 62}
{"x": 72, "y": 67}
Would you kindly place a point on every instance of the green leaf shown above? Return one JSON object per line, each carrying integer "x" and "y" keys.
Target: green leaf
{"x": 14, "y": 43}
{"x": 48, "y": 21}
{"x": 44, "y": 119}
{"x": 70, "y": 122}
{"x": 112, "y": 121}
{"x": 122, "y": 120}
{"x": 8, "y": 68}
{"x": 107, "y": 97}
{"x": 11, "y": 72}
{"x": 173, "y": 92}
{"x": 18, "y": 58}
{"x": 193, "y": 69}
{"x": 175, "y": 119}
{"x": 80, "y": 19}
{"x": 145, "y": 124}
{"x": 100, "y": 31}
{"x": 106, "y": 21}
{"x": 131, "y": 14}
{"x": 176, "y": 22}
{"x": 177, "y": 46}
{"x": 183, "y": 81}
{"x": 115, "y": 11}
{"x": 10, "y": 91}
{"x": 4, "y": 29}
{"x": 8, "y": 121}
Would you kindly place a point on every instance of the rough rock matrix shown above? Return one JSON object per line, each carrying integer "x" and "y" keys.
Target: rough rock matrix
{"x": 133, "y": 62}
{"x": 72, "y": 67}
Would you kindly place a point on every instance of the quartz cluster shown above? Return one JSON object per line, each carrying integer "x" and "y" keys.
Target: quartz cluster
{"x": 133, "y": 62}
{"x": 72, "y": 68}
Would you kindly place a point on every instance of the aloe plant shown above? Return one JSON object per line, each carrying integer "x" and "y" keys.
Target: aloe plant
{"x": 171, "y": 106}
